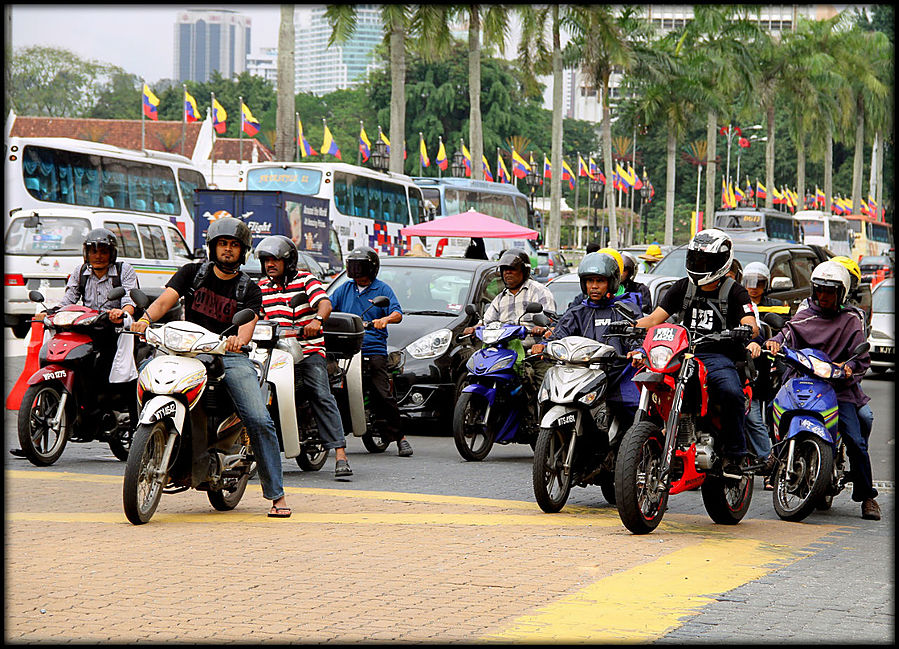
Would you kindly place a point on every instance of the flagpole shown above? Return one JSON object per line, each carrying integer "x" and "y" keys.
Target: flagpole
{"x": 577, "y": 187}
{"x": 183, "y": 117}
{"x": 324, "y": 126}
{"x": 240, "y": 132}
{"x": 142, "y": 91}
{"x": 212, "y": 135}
{"x": 296, "y": 133}
{"x": 359, "y": 152}
{"x": 421, "y": 138}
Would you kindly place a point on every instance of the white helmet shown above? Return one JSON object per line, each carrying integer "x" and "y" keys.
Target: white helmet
{"x": 709, "y": 256}
{"x": 832, "y": 273}
{"x": 754, "y": 273}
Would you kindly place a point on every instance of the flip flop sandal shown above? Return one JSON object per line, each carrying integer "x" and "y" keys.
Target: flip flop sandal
{"x": 278, "y": 512}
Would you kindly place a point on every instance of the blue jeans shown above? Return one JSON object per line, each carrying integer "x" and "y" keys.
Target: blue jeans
{"x": 857, "y": 450}
{"x": 866, "y": 419}
{"x": 756, "y": 430}
{"x": 312, "y": 371}
{"x": 726, "y": 390}
{"x": 243, "y": 386}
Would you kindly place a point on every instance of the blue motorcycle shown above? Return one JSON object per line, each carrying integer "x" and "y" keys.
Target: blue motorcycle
{"x": 492, "y": 405}
{"x": 810, "y": 451}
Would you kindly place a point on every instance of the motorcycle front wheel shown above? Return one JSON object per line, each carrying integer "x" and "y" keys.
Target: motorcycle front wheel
{"x": 727, "y": 500}
{"x": 641, "y": 498}
{"x": 40, "y": 443}
{"x": 472, "y": 432}
{"x": 145, "y": 477}
{"x": 552, "y": 483}
{"x": 799, "y": 488}
{"x": 313, "y": 457}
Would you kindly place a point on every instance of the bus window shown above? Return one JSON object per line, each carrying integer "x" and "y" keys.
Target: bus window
{"x": 189, "y": 180}
{"x": 359, "y": 192}
{"x": 838, "y": 231}
{"x": 416, "y": 205}
{"x": 878, "y": 232}
{"x": 373, "y": 188}
{"x": 781, "y": 228}
{"x": 297, "y": 181}
{"x": 342, "y": 195}
{"x": 453, "y": 201}
{"x": 127, "y": 236}
{"x": 396, "y": 209}
{"x": 154, "y": 242}
{"x": 433, "y": 195}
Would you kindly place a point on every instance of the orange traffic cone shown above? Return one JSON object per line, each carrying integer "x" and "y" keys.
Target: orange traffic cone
{"x": 32, "y": 364}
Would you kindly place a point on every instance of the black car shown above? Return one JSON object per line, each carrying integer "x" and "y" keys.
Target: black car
{"x": 433, "y": 292}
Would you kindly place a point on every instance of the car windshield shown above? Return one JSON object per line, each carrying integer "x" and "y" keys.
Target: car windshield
{"x": 56, "y": 235}
{"x": 674, "y": 263}
{"x": 425, "y": 290}
{"x": 883, "y": 300}
{"x": 874, "y": 262}
{"x": 563, "y": 293}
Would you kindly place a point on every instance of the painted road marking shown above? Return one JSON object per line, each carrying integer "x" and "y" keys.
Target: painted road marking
{"x": 644, "y": 603}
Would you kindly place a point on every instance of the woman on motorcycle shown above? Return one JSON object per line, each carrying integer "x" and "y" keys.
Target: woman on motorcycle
{"x": 827, "y": 325}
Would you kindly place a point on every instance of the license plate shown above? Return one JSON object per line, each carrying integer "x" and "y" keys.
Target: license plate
{"x": 883, "y": 350}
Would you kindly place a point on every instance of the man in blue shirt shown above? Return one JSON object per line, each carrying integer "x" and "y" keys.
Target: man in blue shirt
{"x": 355, "y": 296}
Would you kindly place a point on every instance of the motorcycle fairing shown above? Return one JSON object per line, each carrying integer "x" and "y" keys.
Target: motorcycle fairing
{"x": 484, "y": 360}
{"x": 161, "y": 407}
{"x": 812, "y": 395}
{"x": 61, "y": 345}
{"x": 354, "y": 395}
{"x": 804, "y": 422}
{"x": 567, "y": 383}
{"x": 53, "y": 372}
{"x": 485, "y": 391}
{"x": 551, "y": 418}
{"x": 281, "y": 377}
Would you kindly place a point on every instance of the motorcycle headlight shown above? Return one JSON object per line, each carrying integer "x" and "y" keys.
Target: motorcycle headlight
{"x": 152, "y": 336}
{"x": 181, "y": 341}
{"x": 491, "y": 334}
{"x": 589, "y": 398}
{"x": 431, "y": 345}
{"x": 659, "y": 357}
{"x": 822, "y": 369}
{"x": 65, "y": 318}
{"x": 263, "y": 332}
{"x": 557, "y": 350}
{"x": 502, "y": 364}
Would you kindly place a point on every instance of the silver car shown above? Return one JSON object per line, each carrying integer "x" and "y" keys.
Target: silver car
{"x": 883, "y": 326}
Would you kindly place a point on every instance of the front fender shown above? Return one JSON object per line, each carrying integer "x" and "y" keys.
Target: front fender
{"x": 53, "y": 372}
{"x": 807, "y": 424}
{"x": 281, "y": 378}
{"x": 553, "y": 415}
{"x": 164, "y": 407}
{"x": 488, "y": 393}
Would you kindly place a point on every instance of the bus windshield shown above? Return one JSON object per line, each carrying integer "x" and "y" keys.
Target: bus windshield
{"x": 296, "y": 180}
{"x": 812, "y": 227}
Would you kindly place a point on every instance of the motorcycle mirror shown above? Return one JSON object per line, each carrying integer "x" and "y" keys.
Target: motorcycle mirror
{"x": 297, "y": 300}
{"x": 242, "y": 317}
{"x": 624, "y": 312}
{"x": 115, "y": 294}
{"x": 140, "y": 298}
{"x": 861, "y": 349}
{"x": 471, "y": 310}
{"x": 35, "y": 296}
{"x": 381, "y": 300}
{"x": 541, "y": 320}
{"x": 774, "y": 320}
{"x": 533, "y": 307}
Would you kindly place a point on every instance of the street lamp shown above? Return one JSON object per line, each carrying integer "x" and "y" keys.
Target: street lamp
{"x": 532, "y": 181}
{"x": 458, "y": 165}
{"x": 379, "y": 159}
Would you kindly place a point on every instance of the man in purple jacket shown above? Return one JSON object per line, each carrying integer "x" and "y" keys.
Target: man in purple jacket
{"x": 828, "y": 326}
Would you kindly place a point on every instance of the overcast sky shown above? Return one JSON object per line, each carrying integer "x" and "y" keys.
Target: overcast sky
{"x": 138, "y": 38}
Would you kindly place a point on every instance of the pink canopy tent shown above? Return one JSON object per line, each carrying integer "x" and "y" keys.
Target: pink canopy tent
{"x": 469, "y": 224}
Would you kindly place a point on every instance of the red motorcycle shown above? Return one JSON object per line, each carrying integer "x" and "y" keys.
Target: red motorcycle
{"x": 66, "y": 400}
{"x": 675, "y": 443}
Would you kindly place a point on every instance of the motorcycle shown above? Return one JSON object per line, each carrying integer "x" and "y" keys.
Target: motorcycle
{"x": 811, "y": 453}
{"x": 63, "y": 402}
{"x": 189, "y": 434}
{"x": 674, "y": 444}
{"x": 490, "y": 405}
{"x": 579, "y": 436}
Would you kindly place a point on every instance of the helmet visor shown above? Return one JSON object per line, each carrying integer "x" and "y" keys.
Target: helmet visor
{"x": 755, "y": 280}
{"x": 702, "y": 262}
{"x": 358, "y": 268}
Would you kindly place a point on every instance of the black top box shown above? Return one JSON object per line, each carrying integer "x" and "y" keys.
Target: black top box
{"x": 343, "y": 333}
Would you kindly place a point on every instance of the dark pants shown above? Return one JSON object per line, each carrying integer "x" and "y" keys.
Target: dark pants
{"x": 726, "y": 390}
{"x": 856, "y": 437}
{"x": 376, "y": 382}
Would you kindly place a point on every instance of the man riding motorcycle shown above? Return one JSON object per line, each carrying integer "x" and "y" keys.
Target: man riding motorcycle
{"x": 278, "y": 256}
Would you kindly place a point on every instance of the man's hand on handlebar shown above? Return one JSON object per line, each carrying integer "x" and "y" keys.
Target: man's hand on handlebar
{"x": 754, "y": 349}
{"x": 772, "y": 346}
{"x": 636, "y": 358}
{"x": 538, "y": 331}
{"x": 537, "y": 349}
{"x": 139, "y": 326}
{"x": 233, "y": 344}
{"x": 312, "y": 329}
{"x": 379, "y": 323}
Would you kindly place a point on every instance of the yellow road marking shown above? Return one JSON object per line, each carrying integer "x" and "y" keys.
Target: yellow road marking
{"x": 646, "y": 602}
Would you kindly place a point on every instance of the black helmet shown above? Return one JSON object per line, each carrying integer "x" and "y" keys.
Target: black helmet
{"x": 363, "y": 262}
{"x": 515, "y": 258}
{"x": 599, "y": 264}
{"x": 101, "y": 237}
{"x": 228, "y": 226}
{"x": 279, "y": 247}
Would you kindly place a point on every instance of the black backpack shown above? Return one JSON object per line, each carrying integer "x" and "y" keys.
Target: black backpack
{"x": 82, "y": 278}
{"x": 243, "y": 284}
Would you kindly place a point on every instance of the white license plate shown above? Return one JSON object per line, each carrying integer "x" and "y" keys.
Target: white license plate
{"x": 883, "y": 350}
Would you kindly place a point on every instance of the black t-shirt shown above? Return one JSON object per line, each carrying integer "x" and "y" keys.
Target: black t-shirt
{"x": 214, "y": 302}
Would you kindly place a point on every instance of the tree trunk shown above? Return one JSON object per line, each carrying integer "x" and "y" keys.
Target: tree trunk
{"x": 607, "y": 161}
{"x": 555, "y": 187}
{"x": 397, "y": 97}
{"x": 769, "y": 158}
{"x": 669, "y": 187}
{"x": 858, "y": 160}
{"x": 285, "y": 129}
{"x": 828, "y": 168}
{"x": 878, "y": 191}
{"x": 475, "y": 128}
{"x": 711, "y": 168}
{"x": 800, "y": 171}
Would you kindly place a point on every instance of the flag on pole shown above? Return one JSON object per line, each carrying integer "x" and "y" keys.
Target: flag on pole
{"x": 423, "y": 152}
{"x": 329, "y": 145}
{"x": 567, "y": 174}
{"x": 760, "y": 191}
{"x": 249, "y": 124}
{"x": 466, "y": 158}
{"x": 305, "y": 149}
{"x": 219, "y": 116}
{"x": 594, "y": 171}
{"x": 502, "y": 174}
{"x": 441, "y": 159}
{"x": 150, "y": 103}
{"x": 384, "y": 139}
{"x": 364, "y": 143}
{"x": 488, "y": 175}
{"x": 520, "y": 168}
{"x": 582, "y": 169}
{"x": 547, "y": 168}
{"x": 191, "y": 112}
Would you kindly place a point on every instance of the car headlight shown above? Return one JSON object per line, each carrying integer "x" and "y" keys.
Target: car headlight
{"x": 659, "y": 357}
{"x": 181, "y": 341}
{"x": 431, "y": 345}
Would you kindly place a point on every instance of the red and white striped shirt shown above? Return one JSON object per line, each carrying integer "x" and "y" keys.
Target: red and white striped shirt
{"x": 276, "y": 306}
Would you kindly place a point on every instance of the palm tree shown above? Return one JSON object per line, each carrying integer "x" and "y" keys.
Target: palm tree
{"x": 284, "y": 126}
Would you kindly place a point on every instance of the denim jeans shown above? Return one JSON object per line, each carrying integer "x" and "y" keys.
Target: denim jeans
{"x": 312, "y": 372}
{"x": 726, "y": 389}
{"x": 243, "y": 386}
{"x": 756, "y": 430}
{"x": 857, "y": 449}
{"x": 866, "y": 419}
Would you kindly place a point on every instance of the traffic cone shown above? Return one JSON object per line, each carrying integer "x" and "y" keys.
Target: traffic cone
{"x": 32, "y": 364}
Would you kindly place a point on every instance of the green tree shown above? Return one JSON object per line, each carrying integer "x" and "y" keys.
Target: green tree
{"x": 120, "y": 98}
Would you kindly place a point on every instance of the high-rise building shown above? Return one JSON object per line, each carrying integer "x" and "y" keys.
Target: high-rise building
{"x": 207, "y": 40}
{"x": 321, "y": 69}
{"x": 264, "y": 63}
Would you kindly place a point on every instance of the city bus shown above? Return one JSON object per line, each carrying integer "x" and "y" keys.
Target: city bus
{"x": 446, "y": 196}
{"x": 869, "y": 236}
{"x": 758, "y": 224}
{"x": 63, "y": 172}
{"x": 365, "y": 207}
{"x": 830, "y": 231}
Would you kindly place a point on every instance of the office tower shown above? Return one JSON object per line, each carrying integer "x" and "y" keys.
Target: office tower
{"x": 207, "y": 40}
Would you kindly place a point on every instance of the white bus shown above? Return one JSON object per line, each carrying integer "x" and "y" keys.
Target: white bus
{"x": 830, "y": 231}
{"x": 365, "y": 207}
{"x": 46, "y": 172}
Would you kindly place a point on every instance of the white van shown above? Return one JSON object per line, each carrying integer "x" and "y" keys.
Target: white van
{"x": 43, "y": 247}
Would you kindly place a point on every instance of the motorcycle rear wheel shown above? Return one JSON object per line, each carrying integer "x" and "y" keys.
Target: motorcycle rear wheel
{"x": 374, "y": 443}
{"x": 796, "y": 498}
{"x": 472, "y": 434}
{"x": 224, "y": 500}
{"x": 120, "y": 443}
{"x": 641, "y": 505}
{"x": 552, "y": 484}
{"x": 40, "y": 444}
{"x": 727, "y": 500}
{"x": 607, "y": 486}
{"x": 313, "y": 458}
{"x": 142, "y": 487}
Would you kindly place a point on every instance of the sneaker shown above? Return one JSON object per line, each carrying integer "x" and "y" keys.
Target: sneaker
{"x": 342, "y": 469}
{"x": 870, "y": 510}
{"x": 17, "y": 452}
{"x": 404, "y": 448}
